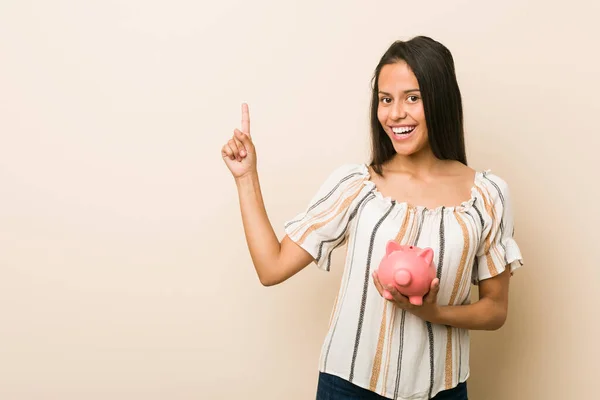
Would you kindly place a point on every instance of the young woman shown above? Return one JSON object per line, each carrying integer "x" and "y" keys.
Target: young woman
{"x": 417, "y": 190}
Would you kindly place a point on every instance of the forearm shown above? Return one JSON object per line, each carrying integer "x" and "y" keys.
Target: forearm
{"x": 485, "y": 314}
{"x": 263, "y": 244}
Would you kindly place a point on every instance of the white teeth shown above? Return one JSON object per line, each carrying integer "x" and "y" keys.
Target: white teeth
{"x": 403, "y": 129}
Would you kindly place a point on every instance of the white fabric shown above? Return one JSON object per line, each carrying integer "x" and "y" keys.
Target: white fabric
{"x": 371, "y": 342}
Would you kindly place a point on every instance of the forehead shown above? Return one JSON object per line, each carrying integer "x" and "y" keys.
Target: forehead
{"x": 397, "y": 77}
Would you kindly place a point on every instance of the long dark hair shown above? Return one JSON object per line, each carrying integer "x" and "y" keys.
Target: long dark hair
{"x": 433, "y": 66}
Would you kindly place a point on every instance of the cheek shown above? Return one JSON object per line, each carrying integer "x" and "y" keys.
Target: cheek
{"x": 420, "y": 114}
{"x": 382, "y": 115}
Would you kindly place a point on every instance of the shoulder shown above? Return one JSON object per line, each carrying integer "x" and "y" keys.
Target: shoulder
{"x": 494, "y": 188}
{"x": 494, "y": 181}
{"x": 340, "y": 180}
{"x": 460, "y": 174}
{"x": 348, "y": 172}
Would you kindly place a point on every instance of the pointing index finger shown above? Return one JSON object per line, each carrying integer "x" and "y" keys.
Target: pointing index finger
{"x": 245, "y": 119}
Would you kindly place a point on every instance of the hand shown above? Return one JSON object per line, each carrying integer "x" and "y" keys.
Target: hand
{"x": 426, "y": 311}
{"x": 239, "y": 153}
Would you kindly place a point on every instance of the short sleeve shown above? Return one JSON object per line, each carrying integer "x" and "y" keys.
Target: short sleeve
{"x": 323, "y": 225}
{"x": 498, "y": 248}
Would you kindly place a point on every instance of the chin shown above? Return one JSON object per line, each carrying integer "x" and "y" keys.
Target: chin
{"x": 405, "y": 152}
{"x": 406, "y": 149}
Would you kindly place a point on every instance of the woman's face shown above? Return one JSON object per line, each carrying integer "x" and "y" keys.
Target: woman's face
{"x": 400, "y": 109}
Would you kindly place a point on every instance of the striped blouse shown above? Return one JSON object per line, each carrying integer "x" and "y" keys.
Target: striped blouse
{"x": 370, "y": 342}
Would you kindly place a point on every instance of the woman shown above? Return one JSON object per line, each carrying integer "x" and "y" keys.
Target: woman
{"x": 416, "y": 190}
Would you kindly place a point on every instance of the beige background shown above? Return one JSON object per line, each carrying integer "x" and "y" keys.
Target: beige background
{"x": 124, "y": 271}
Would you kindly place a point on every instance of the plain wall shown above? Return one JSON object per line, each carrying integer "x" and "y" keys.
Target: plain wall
{"x": 124, "y": 272}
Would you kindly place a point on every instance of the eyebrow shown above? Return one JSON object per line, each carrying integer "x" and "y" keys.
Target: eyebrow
{"x": 405, "y": 92}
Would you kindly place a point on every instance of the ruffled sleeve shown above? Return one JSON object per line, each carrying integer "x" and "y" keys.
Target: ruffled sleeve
{"x": 498, "y": 248}
{"x": 323, "y": 225}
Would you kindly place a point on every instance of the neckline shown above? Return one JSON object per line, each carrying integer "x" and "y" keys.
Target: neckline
{"x": 464, "y": 206}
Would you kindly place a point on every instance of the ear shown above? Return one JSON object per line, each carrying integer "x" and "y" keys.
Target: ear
{"x": 392, "y": 246}
{"x": 427, "y": 254}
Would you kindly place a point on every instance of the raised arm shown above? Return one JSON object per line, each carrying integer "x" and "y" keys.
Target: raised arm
{"x": 273, "y": 260}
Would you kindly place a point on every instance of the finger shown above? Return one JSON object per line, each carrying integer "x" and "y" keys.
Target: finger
{"x": 378, "y": 283}
{"x": 433, "y": 290}
{"x": 244, "y": 139}
{"x": 240, "y": 146}
{"x": 382, "y": 291}
{"x": 226, "y": 152}
{"x": 236, "y": 152}
{"x": 399, "y": 298}
{"x": 245, "y": 119}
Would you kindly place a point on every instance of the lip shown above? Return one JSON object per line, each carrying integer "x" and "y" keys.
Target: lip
{"x": 402, "y": 138}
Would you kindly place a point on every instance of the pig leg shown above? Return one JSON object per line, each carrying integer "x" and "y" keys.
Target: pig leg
{"x": 416, "y": 300}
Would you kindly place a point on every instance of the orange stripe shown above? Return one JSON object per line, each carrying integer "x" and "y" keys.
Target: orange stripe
{"x": 389, "y": 350}
{"x": 414, "y": 225}
{"x": 490, "y": 264}
{"x": 488, "y": 241}
{"x": 400, "y": 238}
{"x": 499, "y": 256}
{"x": 402, "y": 231}
{"x": 457, "y": 284}
{"x": 466, "y": 282}
{"x": 377, "y": 361}
{"x": 318, "y": 225}
{"x": 328, "y": 210}
{"x": 490, "y": 211}
{"x": 448, "y": 369}
{"x": 325, "y": 212}
{"x": 463, "y": 258}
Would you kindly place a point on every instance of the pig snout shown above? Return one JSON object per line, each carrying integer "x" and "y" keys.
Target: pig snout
{"x": 403, "y": 277}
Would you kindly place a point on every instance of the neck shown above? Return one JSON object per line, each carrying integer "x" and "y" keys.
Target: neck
{"x": 421, "y": 163}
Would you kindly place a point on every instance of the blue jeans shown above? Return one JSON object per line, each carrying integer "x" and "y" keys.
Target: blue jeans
{"x": 331, "y": 387}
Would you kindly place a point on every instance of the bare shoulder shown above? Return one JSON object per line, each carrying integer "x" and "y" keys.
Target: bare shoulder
{"x": 459, "y": 171}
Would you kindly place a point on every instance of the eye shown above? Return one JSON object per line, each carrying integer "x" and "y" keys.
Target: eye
{"x": 413, "y": 99}
{"x": 384, "y": 99}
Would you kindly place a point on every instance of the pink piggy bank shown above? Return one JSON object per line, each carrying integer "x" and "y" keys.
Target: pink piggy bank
{"x": 409, "y": 269}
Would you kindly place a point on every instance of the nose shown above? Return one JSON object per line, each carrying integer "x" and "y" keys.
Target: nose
{"x": 398, "y": 111}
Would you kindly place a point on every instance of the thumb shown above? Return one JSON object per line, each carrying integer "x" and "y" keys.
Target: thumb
{"x": 245, "y": 139}
{"x": 434, "y": 288}
{"x": 435, "y": 285}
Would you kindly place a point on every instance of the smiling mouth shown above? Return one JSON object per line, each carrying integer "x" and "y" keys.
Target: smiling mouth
{"x": 403, "y": 130}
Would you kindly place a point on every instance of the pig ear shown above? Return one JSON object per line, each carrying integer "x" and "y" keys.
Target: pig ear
{"x": 391, "y": 246}
{"x": 427, "y": 254}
